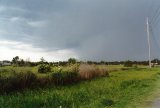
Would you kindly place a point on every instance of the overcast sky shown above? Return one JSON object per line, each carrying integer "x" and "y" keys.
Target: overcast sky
{"x": 84, "y": 29}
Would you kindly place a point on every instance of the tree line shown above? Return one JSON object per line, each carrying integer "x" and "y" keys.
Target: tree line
{"x": 17, "y": 61}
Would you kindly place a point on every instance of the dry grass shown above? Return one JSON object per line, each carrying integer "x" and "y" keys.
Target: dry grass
{"x": 87, "y": 71}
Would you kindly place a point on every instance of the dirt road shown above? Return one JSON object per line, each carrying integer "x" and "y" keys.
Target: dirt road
{"x": 156, "y": 103}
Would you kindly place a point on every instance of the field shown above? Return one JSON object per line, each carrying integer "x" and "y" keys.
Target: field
{"x": 123, "y": 88}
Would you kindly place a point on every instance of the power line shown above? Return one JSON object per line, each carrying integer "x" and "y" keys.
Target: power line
{"x": 151, "y": 24}
{"x": 150, "y": 9}
{"x": 155, "y": 15}
{"x": 156, "y": 21}
{"x": 153, "y": 36}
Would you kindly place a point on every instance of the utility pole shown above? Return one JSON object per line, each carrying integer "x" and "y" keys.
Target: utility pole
{"x": 149, "y": 45}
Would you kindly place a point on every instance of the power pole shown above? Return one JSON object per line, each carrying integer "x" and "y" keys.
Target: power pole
{"x": 149, "y": 45}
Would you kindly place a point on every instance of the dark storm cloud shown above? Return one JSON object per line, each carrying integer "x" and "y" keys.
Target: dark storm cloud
{"x": 94, "y": 29}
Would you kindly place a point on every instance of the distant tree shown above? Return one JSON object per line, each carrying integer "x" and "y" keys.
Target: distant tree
{"x": 72, "y": 60}
{"x": 90, "y": 62}
{"x": 62, "y": 63}
{"x": 42, "y": 60}
{"x": 155, "y": 61}
{"x": 15, "y": 60}
{"x": 128, "y": 63}
{"x": 27, "y": 62}
{"x": 102, "y": 62}
{"x": 21, "y": 62}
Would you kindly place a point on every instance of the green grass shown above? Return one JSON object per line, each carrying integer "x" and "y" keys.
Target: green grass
{"x": 8, "y": 70}
{"x": 122, "y": 89}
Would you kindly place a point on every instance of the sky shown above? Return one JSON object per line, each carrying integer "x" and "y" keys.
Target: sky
{"x": 110, "y": 30}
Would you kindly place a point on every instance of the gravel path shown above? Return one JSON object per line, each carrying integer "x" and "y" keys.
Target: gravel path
{"x": 156, "y": 103}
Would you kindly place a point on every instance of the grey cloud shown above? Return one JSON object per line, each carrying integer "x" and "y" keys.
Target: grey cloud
{"x": 95, "y": 30}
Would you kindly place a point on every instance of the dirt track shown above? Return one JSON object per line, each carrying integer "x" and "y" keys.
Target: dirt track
{"x": 156, "y": 104}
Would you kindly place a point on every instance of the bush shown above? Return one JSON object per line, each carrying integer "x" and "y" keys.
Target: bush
{"x": 46, "y": 81}
{"x": 61, "y": 78}
{"x": 24, "y": 79}
{"x": 107, "y": 102}
{"x": 19, "y": 81}
{"x": 71, "y": 68}
{"x": 44, "y": 68}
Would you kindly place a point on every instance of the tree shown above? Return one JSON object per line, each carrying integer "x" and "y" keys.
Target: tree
{"x": 27, "y": 62}
{"x": 42, "y": 60}
{"x": 15, "y": 60}
{"x": 72, "y": 60}
{"x": 128, "y": 63}
{"x": 21, "y": 62}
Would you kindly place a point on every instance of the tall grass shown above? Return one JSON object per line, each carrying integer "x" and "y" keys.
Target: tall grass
{"x": 91, "y": 71}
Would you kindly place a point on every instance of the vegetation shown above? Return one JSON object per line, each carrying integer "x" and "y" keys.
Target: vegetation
{"x": 20, "y": 62}
{"x": 75, "y": 84}
{"x": 26, "y": 79}
{"x": 44, "y": 68}
{"x": 16, "y": 82}
{"x": 128, "y": 64}
{"x": 91, "y": 71}
{"x": 72, "y": 60}
{"x": 121, "y": 89}
{"x": 15, "y": 60}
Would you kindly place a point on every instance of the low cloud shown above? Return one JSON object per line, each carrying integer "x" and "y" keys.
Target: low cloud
{"x": 9, "y": 49}
{"x": 37, "y": 23}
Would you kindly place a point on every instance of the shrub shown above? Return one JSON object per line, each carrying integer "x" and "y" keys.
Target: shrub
{"x": 44, "y": 82}
{"x": 19, "y": 81}
{"x": 72, "y": 68}
{"x": 66, "y": 75}
{"x": 61, "y": 78}
{"x": 24, "y": 79}
{"x": 107, "y": 102}
{"x": 44, "y": 68}
{"x": 3, "y": 83}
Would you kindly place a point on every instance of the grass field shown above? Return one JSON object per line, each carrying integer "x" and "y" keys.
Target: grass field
{"x": 122, "y": 89}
